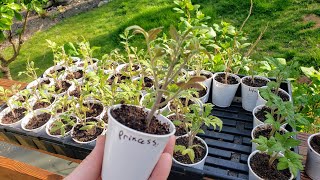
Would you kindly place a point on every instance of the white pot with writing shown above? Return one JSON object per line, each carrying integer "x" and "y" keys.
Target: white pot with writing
{"x": 133, "y": 151}
{"x": 261, "y": 101}
{"x": 313, "y": 160}
{"x": 199, "y": 164}
{"x": 223, "y": 94}
{"x": 249, "y": 94}
{"x": 252, "y": 174}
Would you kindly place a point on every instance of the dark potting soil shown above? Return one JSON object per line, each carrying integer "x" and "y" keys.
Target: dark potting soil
{"x": 39, "y": 105}
{"x": 134, "y": 67}
{"x": 67, "y": 127}
{"x": 9, "y": 118}
{"x": 120, "y": 78}
{"x": 64, "y": 87}
{"x": 208, "y": 76}
{"x": 258, "y": 82}
{"x": 199, "y": 152}
{"x": 135, "y": 118}
{"x": 94, "y": 109}
{"x": 259, "y": 164}
{"x": 230, "y": 79}
{"x": 86, "y": 135}
{"x": 264, "y": 132}
{"x": 315, "y": 143}
{"x": 148, "y": 82}
{"x": 47, "y": 81}
{"x": 58, "y": 70}
{"x": 75, "y": 93}
{"x": 75, "y": 75}
{"x": 179, "y": 129}
{"x": 261, "y": 114}
{"x": 282, "y": 95}
{"x": 201, "y": 92}
{"x": 36, "y": 122}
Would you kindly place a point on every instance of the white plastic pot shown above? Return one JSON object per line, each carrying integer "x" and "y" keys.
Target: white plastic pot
{"x": 264, "y": 126}
{"x": 249, "y": 94}
{"x": 208, "y": 81}
{"x": 121, "y": 66}
{"x": 29, "y": 116}
{"x": 223, "y": 94}
{"x": 32, "y": 101}
{"x": 5, "y": 112}
{"x": 164, "y": 109}
{"x": 92, "y": 142}
{"x": 72, "y": 70}
{"x": 63, "y": 93}
{"x": 313, "y": 161}
{"x": 252, "y": 174}
{"x": 256, "y": 121}
{"x": 35, "y": 83}
{"x": 261, "y": 101}
{"x": 135, "y": 152}
{"x": 100, "y": 116}
{"x": 205, "y": 98}
{"x": 51, "y": 121}
{"x": 197, "y": 165}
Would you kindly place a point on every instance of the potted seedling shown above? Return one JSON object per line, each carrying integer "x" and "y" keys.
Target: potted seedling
{"x": 274, "y": 158}
{"x": 137, "y": 134}
{"x": 87, "y": 132}
{"x": 281, "y": 71}
{"x": 36, "y": 120}
{"x": 42, "y": 99}
{"x": 250, "y": 85}
{"x": 13, "y": 114}
{"x": 178, "y": 118}
{"x": 190, "y": 150}
{"x": 60, "y": 86}
{"x": 60, "y": 125}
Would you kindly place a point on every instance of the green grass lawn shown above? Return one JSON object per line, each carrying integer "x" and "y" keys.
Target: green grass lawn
{"x": 288, "y": 35}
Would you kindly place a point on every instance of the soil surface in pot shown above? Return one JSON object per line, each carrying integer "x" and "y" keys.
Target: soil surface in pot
{"x": 40, "y": 104}
{"x": 201, "y": 92}
{"x": 258, "y": 82}
{"x": 282, "y": 95}
{"x": 148, "y": 82}
{"x": 179, "y": 129}
{"x": 199, "y": 152}
{"x": 315, "y": 143}
{"x": 9, "y": 118}
{"x": 265, "y": 132}
{"x": 261, "y": 114}
{"x": 259, "y": 164}
{"x": 135, "y": 118}
{"x": 64, "y": 87}
{"x": 40, "y": 120}
{"x": 75, "y": 75}
{"x": 86, "y": 135}
{"x": 68, "y": 127}
{"x": 230, "y": 79}
{"x": 94, "y": 109}
{"x": 52, "y": 71}
{"x": 120, "y": 78}
{"x": 76, "y": 92}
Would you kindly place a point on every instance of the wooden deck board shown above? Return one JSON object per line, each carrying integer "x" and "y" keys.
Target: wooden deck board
{"x": 303, "y": 149}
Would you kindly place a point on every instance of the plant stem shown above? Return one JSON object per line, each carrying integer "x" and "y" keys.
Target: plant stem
{"x": 272, "y": 159}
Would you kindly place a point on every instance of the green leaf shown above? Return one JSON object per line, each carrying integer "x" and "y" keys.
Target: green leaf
{"x": 179, "y": 148}
{"x": 190, "y": 153}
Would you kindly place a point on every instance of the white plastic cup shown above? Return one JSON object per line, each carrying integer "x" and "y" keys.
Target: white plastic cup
{"x": 197, "y": 165}
{"x": 29, "y": 116}
{"x": 5, "y": 112}
{"x": 252, "y": 174}
{"x": 249, "y": 94}
{"x": 261, "y": 101}
{"x": 51, "y": 121}
{"x": 135, "y": 152}
{"x": 313, "y": 161}
{"x": 35, "y": 83}
{"x": 223, "y": 94}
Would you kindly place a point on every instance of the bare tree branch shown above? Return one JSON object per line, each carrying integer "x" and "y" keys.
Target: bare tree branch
{"x": 250, "y": 12}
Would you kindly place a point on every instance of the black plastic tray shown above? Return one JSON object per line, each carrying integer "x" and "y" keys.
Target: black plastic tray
{"x": 228, "y": 149}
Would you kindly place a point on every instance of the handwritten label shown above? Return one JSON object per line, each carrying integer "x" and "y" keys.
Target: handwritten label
{"x": 142, "y": 141}
{"x": 252, "y": 90}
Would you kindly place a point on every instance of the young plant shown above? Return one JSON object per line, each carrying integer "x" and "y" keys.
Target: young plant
{"x": 31, "y": 72}
{"x": 5, "y": 95}
{"x": 198, "y": 117}
{"x": 281, "y": 144}
{"x": 62, "y": 124}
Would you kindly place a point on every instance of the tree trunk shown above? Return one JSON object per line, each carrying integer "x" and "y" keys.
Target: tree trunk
{"x": 6, "y": 71}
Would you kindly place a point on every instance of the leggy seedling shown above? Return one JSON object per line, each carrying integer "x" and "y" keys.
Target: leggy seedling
{"x": 198, "y": 117}
{"x": 62, "y": 124}
{"x": 5, "y": 96}
{"x": 281, "y": 144}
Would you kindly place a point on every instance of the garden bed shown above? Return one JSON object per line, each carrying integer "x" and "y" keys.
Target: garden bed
{"x": 228, "y": 149}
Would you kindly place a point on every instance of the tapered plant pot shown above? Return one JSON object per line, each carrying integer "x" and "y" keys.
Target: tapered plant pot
{"x": 259, "y": 128}
{"x": 7, "y": 118}
{"x": 199, "y": 164}
{"x": 28, "y": 123}
{"x": 252, "y": 174}
{"x": 88, "y": 136}
{"x": 205, "y": 97}
{"x": 249, "y": 91}
{"x": 133, "y": 151}
{"x": 313, "y": 158}
{"x": 256, "y": 120}
{"x": 207, "y": 74}
{"x": 43, "y": 81}
{"x": 223, "y": 94}
{"x": 261, "y": 101}
{"x": 56, "y": 134}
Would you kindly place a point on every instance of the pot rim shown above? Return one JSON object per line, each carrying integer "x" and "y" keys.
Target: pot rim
{"x": 230, "y": 74}
{"x": 259, "y": 77}
{"x": 280, "y": 89}
{"x": 139, "y": 132}
{"x": 27, "y": 119}
{"x": 309, "y": 145}
{"x": 6, "y": 111}
{"x": 194, "y": 164}
{"x": 87, "y": 142}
